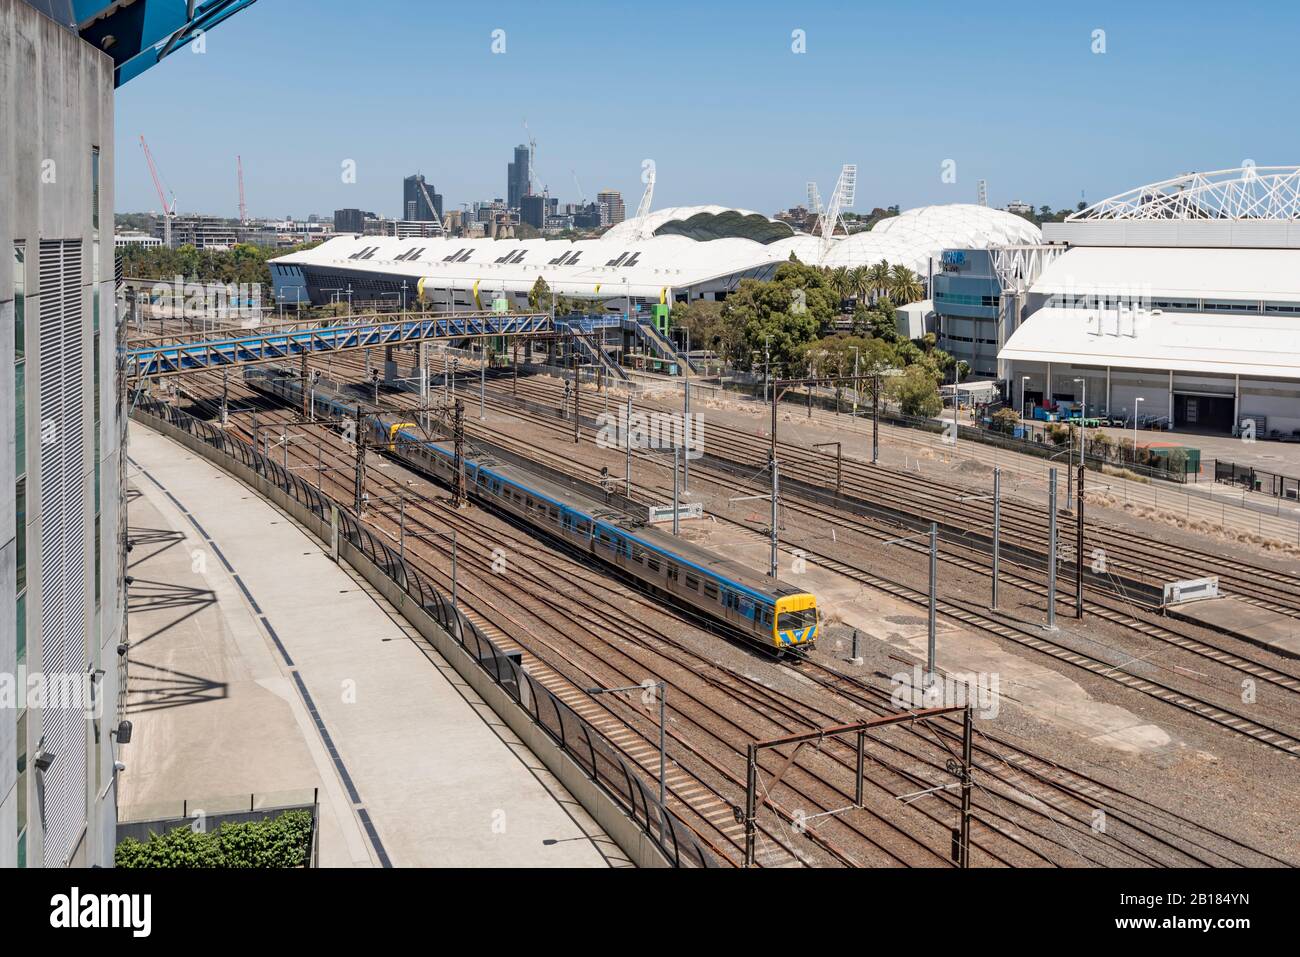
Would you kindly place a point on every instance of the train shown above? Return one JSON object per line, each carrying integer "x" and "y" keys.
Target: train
{"x": 763, "y": 611}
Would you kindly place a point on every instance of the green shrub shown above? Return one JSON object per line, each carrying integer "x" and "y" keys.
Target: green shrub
{"x": 283, "y": 841}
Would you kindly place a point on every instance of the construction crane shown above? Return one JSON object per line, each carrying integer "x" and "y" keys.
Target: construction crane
{"x": 433, "y": 210}
{"x": 168, "y": 211}
{"x": 532, "y": 161}
{"x": 582, "y": 197}
{"x": 243, "y": 207}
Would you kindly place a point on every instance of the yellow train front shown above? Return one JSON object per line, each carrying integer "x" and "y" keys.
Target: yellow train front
{"x": 796, "y": 621}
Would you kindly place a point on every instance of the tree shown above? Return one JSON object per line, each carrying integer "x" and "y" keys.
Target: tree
{"x": 539, "y": 297}
{"x": 917, "y": 392}
{"x": 878, "y": 275}
{"x": 860, "y": 283}
{"x": 904, "y": 286}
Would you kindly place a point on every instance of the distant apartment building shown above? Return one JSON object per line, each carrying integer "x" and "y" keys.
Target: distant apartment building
{"x": 613, "y": 200}
{"x": 135, "y": 239}
{"x": 351, "y": 220}
{"x": 532, "y": 211}
{"x": 202, "y": 232}
{"x": 416, "y": 198}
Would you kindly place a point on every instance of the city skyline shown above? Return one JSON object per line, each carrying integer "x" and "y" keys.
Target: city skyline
{"x": 732, "y": 115}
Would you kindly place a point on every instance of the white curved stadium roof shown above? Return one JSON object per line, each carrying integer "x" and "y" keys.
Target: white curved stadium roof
{"x": 1244, "y": 193}
{"x": 618, "y": 263}
{"x": 914, "y": 237}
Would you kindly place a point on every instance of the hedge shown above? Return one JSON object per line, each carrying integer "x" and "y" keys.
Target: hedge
{"x": 283, "y": 841}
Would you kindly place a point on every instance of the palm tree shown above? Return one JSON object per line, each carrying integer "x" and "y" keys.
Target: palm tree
{"x": 860, "y": 283}
{"x": 904, "y": 286}
{"x": 839, "y": 281}
{"x": 879, "y": 277}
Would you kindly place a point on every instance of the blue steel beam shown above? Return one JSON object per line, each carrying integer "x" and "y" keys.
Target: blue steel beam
{"x": 268, "y": 346}
{"x": 137, "y": 34}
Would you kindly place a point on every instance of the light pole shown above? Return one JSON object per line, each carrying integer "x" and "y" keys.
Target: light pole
{"x": 662, "y": 689}
{"x": 1083, "y": 414}
{"x": 767, "y": 363}
{"x": 1135, "y": 428}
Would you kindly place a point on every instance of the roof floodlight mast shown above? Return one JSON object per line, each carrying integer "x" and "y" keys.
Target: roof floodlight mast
{"x": 1244, "y": 193}
{"x": 643, "y": 210}
{"x": 845, "y": 191}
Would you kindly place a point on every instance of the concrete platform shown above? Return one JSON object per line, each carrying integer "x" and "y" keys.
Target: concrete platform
{"x": 1241, "y": 619}
{"x": 257, "y": 665}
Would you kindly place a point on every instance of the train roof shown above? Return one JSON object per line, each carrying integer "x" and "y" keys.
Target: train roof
{"x": 685, "y": 552}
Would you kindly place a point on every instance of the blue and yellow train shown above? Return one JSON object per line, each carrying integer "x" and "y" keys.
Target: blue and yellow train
{"x": 762, "y": 610}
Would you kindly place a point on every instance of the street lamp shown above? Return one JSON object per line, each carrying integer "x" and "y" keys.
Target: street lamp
{"x": 663, "y": 694}
{"x": 1083, "y": 414}
{"x": 1135, "y": 428}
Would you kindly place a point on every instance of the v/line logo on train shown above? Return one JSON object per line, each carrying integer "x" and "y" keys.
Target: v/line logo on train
{"x": 762, "y": 610}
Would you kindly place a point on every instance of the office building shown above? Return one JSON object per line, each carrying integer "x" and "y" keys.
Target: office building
{"x": 420, "y": 202}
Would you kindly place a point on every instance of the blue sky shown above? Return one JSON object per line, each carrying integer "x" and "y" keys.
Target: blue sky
{"x": 712, "y": 92}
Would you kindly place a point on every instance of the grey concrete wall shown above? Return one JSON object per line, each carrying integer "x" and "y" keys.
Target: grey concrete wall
{"x": 56, "y": 104}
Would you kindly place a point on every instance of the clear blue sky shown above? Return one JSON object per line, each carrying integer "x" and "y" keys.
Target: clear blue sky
{"x": 712, "y": 92}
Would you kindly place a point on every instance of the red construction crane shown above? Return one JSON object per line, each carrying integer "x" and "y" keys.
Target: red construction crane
{"x": 243, "y": 208}
{"x": 168, "y": 211}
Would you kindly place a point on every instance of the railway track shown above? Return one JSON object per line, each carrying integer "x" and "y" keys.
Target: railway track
{"x": 1222, "y": 715}
{"x": 784, "y": 727}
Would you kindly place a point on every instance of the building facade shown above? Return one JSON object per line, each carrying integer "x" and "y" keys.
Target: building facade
{"x": 967, "y": 298}
{"x": 62, "y": 538}
{"x": 416, "y": 196}
{"x": 1176, "y": 303}
{"x": 612, "y": 200}
{"x": 518, "y": 178}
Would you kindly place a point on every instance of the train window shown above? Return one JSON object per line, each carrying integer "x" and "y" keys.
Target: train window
{"x": 711, "y": 590}
{"x": 692, "y": 583}
{"x": 652, "y": 563}
{"x": 638, "y": 554}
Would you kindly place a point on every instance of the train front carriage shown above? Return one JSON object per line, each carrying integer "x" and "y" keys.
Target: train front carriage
{"x": 796, "y": 621}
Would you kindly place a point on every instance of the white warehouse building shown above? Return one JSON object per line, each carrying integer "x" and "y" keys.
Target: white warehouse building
{"x": 1177, "y": 302}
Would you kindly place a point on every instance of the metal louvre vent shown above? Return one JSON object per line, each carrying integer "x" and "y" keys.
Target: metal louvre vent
{"x": 62, "y": 533}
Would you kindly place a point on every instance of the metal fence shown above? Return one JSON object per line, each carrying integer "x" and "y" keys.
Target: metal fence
{"x": 575, "y": 736}
{"x": 1257, "y": 480}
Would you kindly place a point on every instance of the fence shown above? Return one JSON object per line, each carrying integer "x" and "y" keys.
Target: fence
{"x": 576, "y": 738}
{"x": 142, "y": 821}
{"x": 1257, "y": 480}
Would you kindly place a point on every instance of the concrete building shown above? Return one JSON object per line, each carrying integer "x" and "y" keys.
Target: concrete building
{"x": 518, "y": 178}
{"x": 612, "y": 200}
{"x": 63, "y": 541}
{"x": 351, "y": 220}
{"x": 201, "y": 232}
{"x": 967, "y": 304}
{"x": 416, "y": 197}
{"x": 1176, "y": 302}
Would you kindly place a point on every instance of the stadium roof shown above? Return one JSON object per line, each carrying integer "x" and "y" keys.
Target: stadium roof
{"x": 1249, "y": 275}
{"x": 1244, "y": 193}
{"x": 648, "y": 266}
{"x": 1258, "y": 345}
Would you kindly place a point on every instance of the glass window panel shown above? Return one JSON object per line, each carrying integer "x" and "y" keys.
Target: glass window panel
{"x": 20, "y": 419}
{"x": 20, "y": 531}
{"x": 20, "y": 300}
